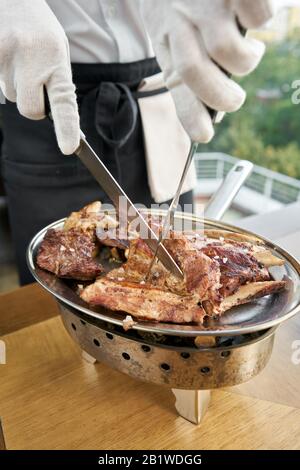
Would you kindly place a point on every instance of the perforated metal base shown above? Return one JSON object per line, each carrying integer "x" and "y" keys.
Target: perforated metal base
{"x": 168, "y": 361}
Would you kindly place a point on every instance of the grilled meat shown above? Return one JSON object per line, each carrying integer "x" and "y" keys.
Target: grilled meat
{"x": 86, "y": 219}
{"x": 69, "y": 254}
{"x": 163, "y": 297}
{"x": 217, "y": 276}
{"x": 237, "y": 266}
{"x": 250, "y": 243}
{"x": 144, "y": 302}
{"x": 201, "y": 274}
{"x": 221, "y": 269}
{"x": 91, "y": 218}
{"x": 250, "y": 292}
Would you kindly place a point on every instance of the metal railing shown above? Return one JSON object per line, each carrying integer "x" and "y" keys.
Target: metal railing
{"x": 273, "y": 185}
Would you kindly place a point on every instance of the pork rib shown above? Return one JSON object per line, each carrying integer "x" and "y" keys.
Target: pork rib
{"x": 144, "y": 302}
{"x": 250, "y": 292}
{"x": 218, "y": 275}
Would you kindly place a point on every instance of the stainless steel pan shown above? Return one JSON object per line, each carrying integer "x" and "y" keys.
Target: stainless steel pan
{"x": 255, "y": 316}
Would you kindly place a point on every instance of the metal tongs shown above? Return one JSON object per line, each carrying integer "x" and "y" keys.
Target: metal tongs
{"x": 169, "y": 219}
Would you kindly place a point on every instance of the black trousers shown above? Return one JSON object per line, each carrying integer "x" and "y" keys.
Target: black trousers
{"x": 42, "y": 185}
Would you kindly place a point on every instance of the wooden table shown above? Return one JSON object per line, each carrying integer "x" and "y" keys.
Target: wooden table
{"x": 51, "y": 399}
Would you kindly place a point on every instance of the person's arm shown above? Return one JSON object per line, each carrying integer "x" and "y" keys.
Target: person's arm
{"x": 34, "y": 53}
{"x": 194, "y": 40}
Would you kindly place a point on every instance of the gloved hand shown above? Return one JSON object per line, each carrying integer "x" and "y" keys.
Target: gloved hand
{"x": 34, "y": 52}
{"x": 190, "y": 37}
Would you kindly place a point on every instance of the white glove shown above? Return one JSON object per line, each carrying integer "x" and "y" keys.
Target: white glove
{"x": 190, "y": 37}
{"x": 34, "y": 52}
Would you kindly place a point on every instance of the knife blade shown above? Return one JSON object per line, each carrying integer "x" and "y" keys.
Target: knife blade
{"x": 114, "y": 191}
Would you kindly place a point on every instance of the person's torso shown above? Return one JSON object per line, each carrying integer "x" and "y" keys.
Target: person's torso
{"x": 102, "y": 31}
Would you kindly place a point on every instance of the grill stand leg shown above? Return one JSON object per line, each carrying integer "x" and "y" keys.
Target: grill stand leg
{"x": 192, "y": 404}
{"x": 87, "y": 357}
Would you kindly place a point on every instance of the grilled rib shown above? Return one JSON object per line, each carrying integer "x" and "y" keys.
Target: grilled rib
{"x": 144, "y": 301}
{"x": 217, "y": 276}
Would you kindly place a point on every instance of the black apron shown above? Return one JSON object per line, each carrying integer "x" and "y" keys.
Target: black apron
{"x": 42, "y": 185}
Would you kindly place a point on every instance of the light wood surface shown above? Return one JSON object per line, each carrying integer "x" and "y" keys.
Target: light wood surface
{"x": 279, "y": 382}
{"x": 25, "y": 306}
{"x": 50, "y": 398}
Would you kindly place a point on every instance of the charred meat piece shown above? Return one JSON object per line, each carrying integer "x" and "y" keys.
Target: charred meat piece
{"x": 201, "y": 273}
{"x": 237, "y": 266}
{"x": 69, "y": 254}
{"x": 164, "y": 297}
{"x": 144, "y": 302}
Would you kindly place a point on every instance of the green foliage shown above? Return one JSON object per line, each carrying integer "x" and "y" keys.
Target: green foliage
{"x": 267, "y": 132}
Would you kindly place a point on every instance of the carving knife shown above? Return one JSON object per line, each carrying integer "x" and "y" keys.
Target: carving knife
{"x": 114, "y": 191}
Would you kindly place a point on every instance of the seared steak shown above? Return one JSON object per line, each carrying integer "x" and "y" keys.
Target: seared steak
{"x": 69, "y": 254}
